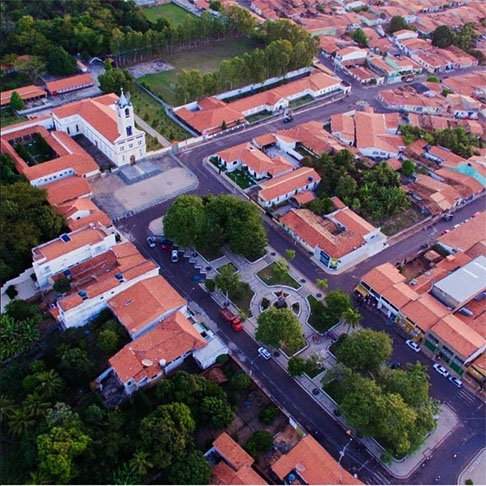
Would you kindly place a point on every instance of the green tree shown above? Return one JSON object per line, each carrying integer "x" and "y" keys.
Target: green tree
{"x": 397, "y": 23}
{"x": 141, "y": 463}
{"x": 280, "y": 326}
{"x": 21, "y": 310}
{"x": 260, "y": 441}
{"x": 115, "y": 80}
{"x": 351, "y": 317}
{"x": 8, "y": 172}
{"x": 6, "y": 408}
{"x": 217, "y": 412}
{"x": 167, "y": 432}
{"x": 77, "y": 366}
{"x": 442, "y": 36}
{"x": 193, "y": 468}
{"x": 322, "y": 284}
{"x": 337, "y": 302}
{"x": 365, "y": 350}
{"x": 296, "y": 366}
{"x": 227, "y": 280}
{"x": 360, "y": 38}
{"x": 408, "y": 168}
{"x": 108, "y": 341}
{"x": 48, "y": 384}
{"x": 16, "y": 102}
{"x": 125, "y": 474}
{"x": 280, "y": 269}
{"x": 21, "y": 422}
{"x": 290, "y": 254}
{"x": 433, "y": 79}
{"x": 36, "y": 405}
{"x": 59, "y": 62}
{"x": 240, "y": 380}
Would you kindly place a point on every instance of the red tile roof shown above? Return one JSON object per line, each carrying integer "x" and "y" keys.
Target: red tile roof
{"x": 63, "y": 190}
{"x": 26, "y": 93}
{"x": 169, "y": 340}
{"x": 70, "y": 84}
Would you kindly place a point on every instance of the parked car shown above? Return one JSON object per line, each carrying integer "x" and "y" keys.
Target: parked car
{"x": 167, "y": 244}
{"x": 288, "y": 119}
{"x": 455, "y": 381}
{"x": 413, "y": 345}
{"x": 264, "y": 353}
{"x": 447, "y": 217}
{"x": 441, "y": 370}
{"x": 174, "y": 256}
{"x": 151, "y": 242}
{"x": 395, "y": 365}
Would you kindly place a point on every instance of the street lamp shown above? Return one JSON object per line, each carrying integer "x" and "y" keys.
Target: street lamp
{"x": 341, "y": 455}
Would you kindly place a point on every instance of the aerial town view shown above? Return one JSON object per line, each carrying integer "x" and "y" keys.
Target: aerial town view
{"x": 243, "y": 242}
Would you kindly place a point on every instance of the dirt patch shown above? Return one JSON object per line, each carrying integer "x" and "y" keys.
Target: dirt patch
{"x": 153, "y": 67}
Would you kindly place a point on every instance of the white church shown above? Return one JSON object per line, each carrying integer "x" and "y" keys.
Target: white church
{"x": 108, "y": 123}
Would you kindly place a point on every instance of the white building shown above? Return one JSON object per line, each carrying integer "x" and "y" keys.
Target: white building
{"x": 108, "y": 123}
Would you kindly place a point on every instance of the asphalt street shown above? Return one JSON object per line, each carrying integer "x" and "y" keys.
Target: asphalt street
{"x": 470, "y": 435}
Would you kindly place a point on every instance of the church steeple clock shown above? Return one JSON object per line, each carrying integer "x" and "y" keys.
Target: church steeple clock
{"x": 124, "y": 114}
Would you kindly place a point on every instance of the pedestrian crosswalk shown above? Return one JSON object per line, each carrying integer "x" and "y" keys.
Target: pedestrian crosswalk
{"x": 376, "y": 478}
{"x": 466, "y": 396}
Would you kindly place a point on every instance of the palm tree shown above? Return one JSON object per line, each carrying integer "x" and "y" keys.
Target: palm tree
{"x": 352, "y": 318}
{"x": 140, "y": 463}
{"x": 322, "y": 283}
{"x": 36, "y": 405}
{"x": 39, "y": 477}
{"x": 6, "y": 407}
{"x": 21, "y": 422}
{"x": 49, "y": 383}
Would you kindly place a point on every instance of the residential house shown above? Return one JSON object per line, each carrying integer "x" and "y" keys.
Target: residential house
{"x": 108, "y": 123}
{"x": 339, "y": 239}
{"x": 342, "y": 127}
{"x": 376, "y": 135}
{"x": 143, "y": 305}
{"x": 280, "y": 189}
{"x": 68, "y": 189}
{"x": 258, "y": 164}
{"x": 465, "y": 185}
{"x": 404, "y": 34}
{"x": 68, "y": 158}
{"x": 81, "y": 212}
{"x": 233, "y": 463}
{"x": 68, "y": 250}
{"x": 309, "y": 463}
{"x": 72, "y": 83}
{"x": 351, "y": 56}
{"x": 433, "y": 196}
{"x": 461, "y": 106}
{"x": 95, "y": 281}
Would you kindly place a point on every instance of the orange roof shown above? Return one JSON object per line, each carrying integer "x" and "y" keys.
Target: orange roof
{"x": 265, "y": 139}
{"x": 352, "y": 221}
{"x": 303, "y": 198}
{"x": 313, "y": 464}
{"x": 382, "y": 277}
{"x": 467, "y": 234}
{"x": 222, "y": 473}
{"x": 97, "y": 112}
{"x": 26, "y": 93}
{"x": 285, "y": 184}
{"x": 399, "y": 294}
{"x": 96, "y": 216}
{"x": 169, "y": 340}
{"x": 395, "y": 164}
{"x": 322, "y": 233}
{"x": 458, "y": 336}
{"x": 425, "y": 311}
{"x": 69, "y": 84}
{"x": 371, "y": 131}
{"x": 255, "y": 159}
{"x": 232, "y": 452}
{"x": 77, "y": 239}
{"x": 63, "y": 190}
{"x": 145, "y": 302}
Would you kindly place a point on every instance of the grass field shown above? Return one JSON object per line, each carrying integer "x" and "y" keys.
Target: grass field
{"x": 207, "y": 60}
{"x": 172, "y": 12}
{"x": 270, "y": 276}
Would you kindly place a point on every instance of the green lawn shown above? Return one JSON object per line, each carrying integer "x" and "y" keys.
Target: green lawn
{"x": 154, "y": 114}
{"x": 242, "y": 178}
{"x": 319, "y": 319}
{"x": 9, "y": 118}
{"x": 242, "y": 301}
{"x": 172, "y": 12}
{"x": 163, "y": 84}
{"x": 272, "y": 277}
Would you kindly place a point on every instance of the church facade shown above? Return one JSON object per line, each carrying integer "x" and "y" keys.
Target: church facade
{"x": 108, "y": 123}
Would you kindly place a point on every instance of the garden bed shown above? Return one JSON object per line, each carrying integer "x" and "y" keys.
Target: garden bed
{"x": 319, "y": 319}
{"x": 271, "y": 276}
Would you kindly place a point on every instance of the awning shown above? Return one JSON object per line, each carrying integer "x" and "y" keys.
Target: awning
{"x": 361, "y": 290}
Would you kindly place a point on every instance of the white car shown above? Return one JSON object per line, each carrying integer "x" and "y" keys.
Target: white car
{"x": 264, "y": 353}
{"x": 413, "y": 345}
{"x": 455, "y": 381}
{"x": 174, "y": 256}
{"x": 441, "y": 370}
{"x": 151, "y": 242}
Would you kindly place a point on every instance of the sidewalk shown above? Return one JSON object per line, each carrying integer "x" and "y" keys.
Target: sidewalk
{"x": 447, "y": 420}
{"x": 475, "y": 470}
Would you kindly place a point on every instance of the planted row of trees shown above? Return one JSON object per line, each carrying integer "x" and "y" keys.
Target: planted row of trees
{"x": 211, "y": 222}
{"x": 278, "y": 58}
{"x": 374, "y": 193}
{"x": 393, "y": 406}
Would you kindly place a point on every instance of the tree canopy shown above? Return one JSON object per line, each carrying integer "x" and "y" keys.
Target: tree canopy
{"x": 277, "y": 327}
{"x": 442, "y": 36}
{"x": 214, "y": 221}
